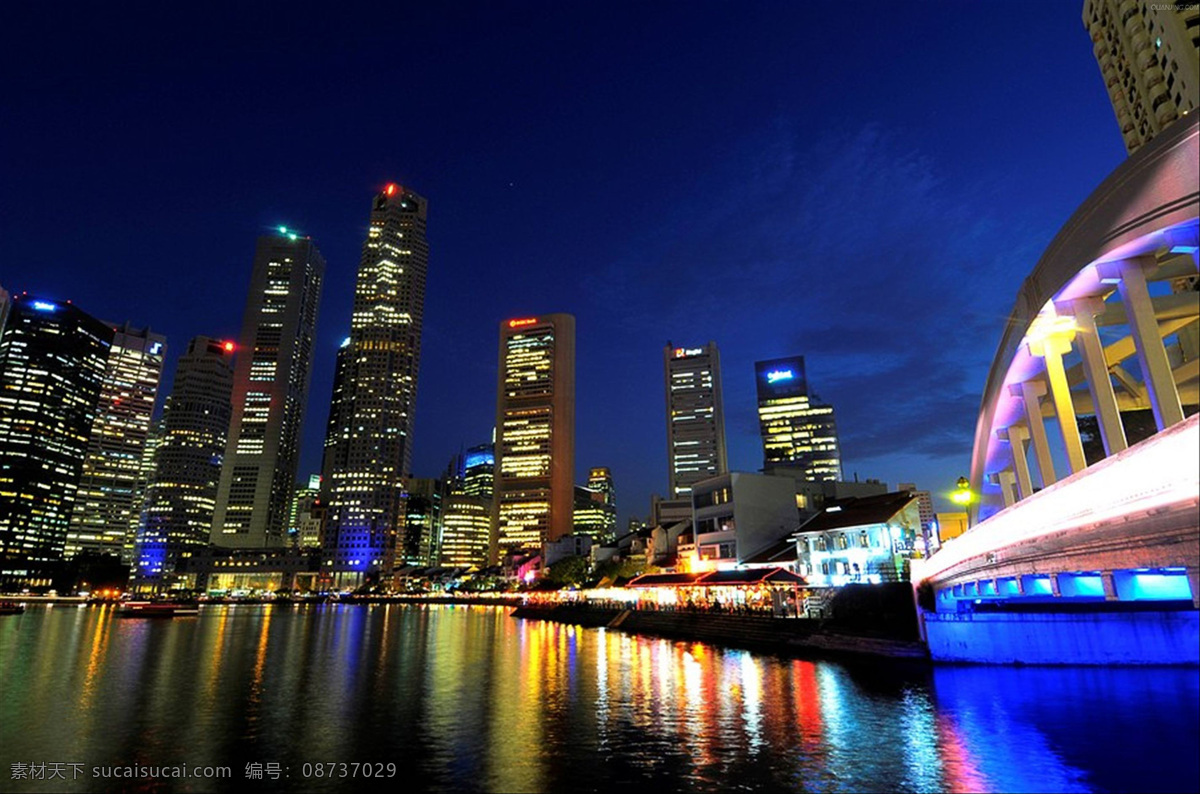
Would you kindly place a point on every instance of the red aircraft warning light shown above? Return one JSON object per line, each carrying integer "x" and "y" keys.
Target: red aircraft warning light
{"x": 229, "y": 347}
{"x": 390, "y": 189}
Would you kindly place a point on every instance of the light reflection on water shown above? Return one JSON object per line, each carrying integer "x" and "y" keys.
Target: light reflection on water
{"x": 467, "y": 698}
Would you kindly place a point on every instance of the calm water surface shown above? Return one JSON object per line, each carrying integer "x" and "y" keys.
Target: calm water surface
{"x": 468, "y": 698}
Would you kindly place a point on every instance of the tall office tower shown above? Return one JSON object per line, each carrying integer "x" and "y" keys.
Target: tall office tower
{"x": 270, "y": 384}
{"x": 596, "y": 507}
{"x": 535, "y": 433}
{"x": 466, "y": 531}
{"x": 182, "y": 496}
{"x": 479, "y": 471}
{"x": 5, "y": 305}
{"x": 695, "y": 417}
{"x": 372, "y": 424}
{"x": 1149, "y": 55}
{"x": 795, "y": 432}
{"x": 302, "y": 499}
{"x": 53, "y": 358}
{"x": 422, "y": 522}
{"x": 107, "y": 510}
{"x": 337, "y": 426}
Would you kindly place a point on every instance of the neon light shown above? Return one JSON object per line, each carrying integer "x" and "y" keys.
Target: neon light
{"x": 681, "y": 352}
{"x": 780, "y": 374}
{"x": 43, "y": 306}
{"x": 519, "y": 323}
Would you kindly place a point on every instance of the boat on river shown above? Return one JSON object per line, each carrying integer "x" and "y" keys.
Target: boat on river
{"x": 156, "y": 609}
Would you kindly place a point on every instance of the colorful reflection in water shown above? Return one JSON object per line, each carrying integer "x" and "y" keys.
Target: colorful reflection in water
{"x": 468, "y": 698}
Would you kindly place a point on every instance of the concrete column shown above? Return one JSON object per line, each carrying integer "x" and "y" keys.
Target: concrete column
{"x": 1016, "y": 436}
{"x": 1110, "y": 587}
{"x": 1054, "y": 585}
{"x": 1143, "y": 325}
{"x": 1193, "y": 575}
{"x": 1007, "y": 480}
{"x": 1051, "y": 350}
{"x": 1095, "y": 370}
{"x": 1030, "y": 391}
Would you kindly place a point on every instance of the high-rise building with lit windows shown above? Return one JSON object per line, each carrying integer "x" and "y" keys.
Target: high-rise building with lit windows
{"x": 466, "y": 531}
{"x": 53, "y": 358}
{"x": 1149, "y": 56}
{"x": 695, "y": 417}
{"x": 535, "y": 432}
{"x": 107, "y": 505}
{"x": 369, "y": 439}
{"x": 181, "y": 498}
{"x": 5, "y": 305}
{"x": 795, "y": 430}
{"x": 596, "y": 506}
{"x": 270, "y": 385}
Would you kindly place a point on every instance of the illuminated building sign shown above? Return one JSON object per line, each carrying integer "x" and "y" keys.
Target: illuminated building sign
{"x": 43, "y": 306}
{"x": 777, "y": 375}
{"x": 684, "y": 352}
{"x": 780, "y": 377}
{"x": 156, "y": 348}
{"x": 479, "y": 459}
{"x": 521, "y": 322}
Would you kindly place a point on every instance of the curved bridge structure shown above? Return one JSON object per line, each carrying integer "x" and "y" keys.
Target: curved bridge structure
{"x": 1085, "y": 544}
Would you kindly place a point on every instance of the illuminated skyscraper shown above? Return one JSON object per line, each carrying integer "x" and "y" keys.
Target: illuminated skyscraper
{"x": 5, "y": 305}
{"x": 1148, "y": 55}
{"x": 53, "y": 358}
{"x": 535, "y": 432}
{"x": 596, "y": 507}
{"x": 422, "y": 522}
{"x": 107, "y": 508}
{"x": 182, "y": 496}
{"x": 695, "y": 417}
{"x": 270, "y": 385}
{"x": 369, "y": 443}
{"x": 466, "y": 529}
{"x": 794, "y": 431}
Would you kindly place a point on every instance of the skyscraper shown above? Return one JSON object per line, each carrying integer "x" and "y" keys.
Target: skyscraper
{"x": 52, "y": 363}
{"x": 371, "y": 422}
{"x": 107, "y": 510}
{"x": 695, "y": 417}
{"x": 596, "y": 506}
{"x": 535, "y": 432}
{"x": 1149, "y": 57}
{"x": 182, "y": 496}
{"x": 5, "y": 304}
{"x": 795, "y": 432}
{"x": 466, "y": 529}
{"x": 270, "y": 384}
{"x": 422, "y": 522}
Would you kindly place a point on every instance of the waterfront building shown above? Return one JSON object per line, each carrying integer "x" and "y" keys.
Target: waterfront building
{"x": 270, "y": 386}
{"x": 1148, "y": 55}
{"x": 736, "y": 515}
{"x": 181, "y": 498}
{"x": 794, "y": 429}
{"x": 303, "y": 498}
{"x": 108, "y": 501}
{"x": 695, "y": 417}
{"x": 867, "y": 540}
{"x": 927, "y": 515}
{"x": 595, "y": 513}
{"x": 53, "y": 358}
{"x": 535, "y": 433}
{"x": 368, "y": 451}
{"x": 466, "y": 531}
{"x": 568, "y": 546}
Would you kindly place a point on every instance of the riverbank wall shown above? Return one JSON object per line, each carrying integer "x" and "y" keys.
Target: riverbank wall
{"x": 798, "y": 636}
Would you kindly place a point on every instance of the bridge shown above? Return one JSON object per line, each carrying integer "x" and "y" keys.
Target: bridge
{"x": 1085, "y": 537}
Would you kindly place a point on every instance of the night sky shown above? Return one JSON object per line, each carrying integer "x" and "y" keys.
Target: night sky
{"x": 864, "y": 184}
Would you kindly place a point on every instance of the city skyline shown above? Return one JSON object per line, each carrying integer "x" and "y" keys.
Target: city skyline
{"x": 635, "y": 272}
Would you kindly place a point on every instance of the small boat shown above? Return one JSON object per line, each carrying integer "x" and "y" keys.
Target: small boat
{"x": 11, "y": 608}
{"x": 156, "y": 609}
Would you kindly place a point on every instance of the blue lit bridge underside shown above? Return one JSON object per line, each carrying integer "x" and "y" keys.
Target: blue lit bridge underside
{"x": 1098, "y": 566}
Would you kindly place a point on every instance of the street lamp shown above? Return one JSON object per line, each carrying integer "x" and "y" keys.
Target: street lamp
{"x": 962, "y": 496}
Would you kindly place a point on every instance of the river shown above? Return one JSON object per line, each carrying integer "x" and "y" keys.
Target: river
{"x": 466, "y": 698}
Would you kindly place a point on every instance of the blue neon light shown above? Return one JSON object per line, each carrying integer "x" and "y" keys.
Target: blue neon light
{"x": 43, "y": 306}
{"x": 780, "y": 374}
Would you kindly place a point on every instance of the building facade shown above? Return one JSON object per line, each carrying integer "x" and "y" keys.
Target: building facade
{"x": 107, "y": 504}
{"x": 596, "y": 507}
{"x": 371, "y": 422}
{"x": 421, "y": 535}
{"x": 53, "y": 359}
{"x": 1149, "y": 56}
{"x": 466, "y": 531}
{"x": 535, "y": 433}
{"x": 795, "y": 431}
{"x": 181, "y": 499}
{"x": 270, "y": 386}
{"x": 695, "y": 417}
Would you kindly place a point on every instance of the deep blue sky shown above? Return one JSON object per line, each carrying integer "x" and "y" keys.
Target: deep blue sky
{"x": 865, "y": 184}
